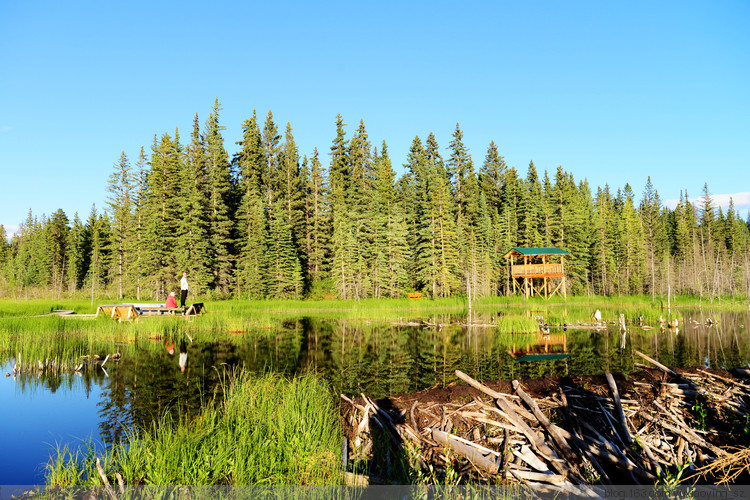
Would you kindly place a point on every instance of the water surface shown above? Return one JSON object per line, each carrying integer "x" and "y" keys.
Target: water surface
{"x": 179, "y": 374}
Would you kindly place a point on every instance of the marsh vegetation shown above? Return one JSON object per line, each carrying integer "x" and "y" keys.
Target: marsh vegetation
{"x": 381, "y": 348}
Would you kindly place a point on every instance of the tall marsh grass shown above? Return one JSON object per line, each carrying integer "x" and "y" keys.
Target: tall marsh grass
{"x": 266, "y": 430}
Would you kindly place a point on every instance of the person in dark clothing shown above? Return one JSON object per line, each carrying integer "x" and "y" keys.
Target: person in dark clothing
{"x": 183, "y": 290}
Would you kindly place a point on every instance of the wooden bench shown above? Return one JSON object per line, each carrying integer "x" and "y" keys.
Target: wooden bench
{"x": 414, "y": 295}
{"x": 159, "y": 311}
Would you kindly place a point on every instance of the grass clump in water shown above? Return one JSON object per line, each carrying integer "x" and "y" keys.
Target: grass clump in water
{"x": 266, "y": 430}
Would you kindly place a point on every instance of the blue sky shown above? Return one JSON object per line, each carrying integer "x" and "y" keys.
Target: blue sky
{"x": 611, "y": 91}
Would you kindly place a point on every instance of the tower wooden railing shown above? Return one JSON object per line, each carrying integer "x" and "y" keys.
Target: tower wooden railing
{"x": 537, "y": 270}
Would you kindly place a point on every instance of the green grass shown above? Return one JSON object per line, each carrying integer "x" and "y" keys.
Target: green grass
{"x": 266, "y": 430}
{"x": 36, "y": 338}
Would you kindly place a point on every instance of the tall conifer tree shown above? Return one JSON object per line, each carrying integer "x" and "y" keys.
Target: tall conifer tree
{"x": 120, "y": 203}
{"x": 219, "y": 202}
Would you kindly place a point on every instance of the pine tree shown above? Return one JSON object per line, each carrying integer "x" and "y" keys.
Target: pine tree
{"x": 77, "y": 255}
{"x": 284, "y": 266}
{"x": 486, "y": 283}
{"x": 633, "y": 262}
{"x": 28, "y": 267}
{"x": 120, "y": 203}
{"x": 359, "y": 197}
{"x": 290, "y": 192}
{"x": 531, "y": 211}
{"x": 5, "y": 257}
{"x": 4, "y": 248}
{"x": 424, "y": 165}
{"x": 194, "y": 253}
{"x": 458, "y": 169}
{"x": 161, "y": 215}
{"x": 343, "y": 251}
{"x": 507, "y": 226}
{"x": 57, "y": 240}
{"x": 252, "y": 272}
{"x": 413, "y": 195}
{"x": 98, "y": 229}
{"x": 140, "y": 214}
{"x": 390, "y": 247}
{"x": 339, "y": 172}
{"x": 466, "y": 192}
{"x": 654, "y": 234}
{"x": 568, "y": 221}
{"x": 491, "y": 178}
{"x": 272, "y": 153}
{"x": 219, "y": 190}
{"x": 605, "y": 237}
{"x": 448, "y": 280}
{"x": 318, "y": 221}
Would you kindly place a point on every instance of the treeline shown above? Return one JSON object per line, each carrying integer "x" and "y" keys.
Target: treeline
{"x": 267, "y": 222}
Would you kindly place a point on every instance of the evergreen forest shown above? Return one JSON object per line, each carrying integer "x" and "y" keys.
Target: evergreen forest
{"x": 270, "y": 222}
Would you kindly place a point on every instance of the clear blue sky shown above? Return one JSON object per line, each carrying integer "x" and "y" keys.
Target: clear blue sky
{"x": 612, "y": 91}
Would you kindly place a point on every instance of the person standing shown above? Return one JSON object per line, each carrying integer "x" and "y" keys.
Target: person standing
{"x": 183, "y": 290}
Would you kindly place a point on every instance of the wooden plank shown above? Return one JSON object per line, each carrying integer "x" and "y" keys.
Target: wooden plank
{"x": 618, "y": 407}
{"x": 472, "y": 453}
{"x": 561, "y": 442}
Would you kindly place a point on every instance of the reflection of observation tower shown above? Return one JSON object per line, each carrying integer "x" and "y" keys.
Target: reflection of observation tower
{"x": 545, "y": 348}
{"x": 534, "y": 273}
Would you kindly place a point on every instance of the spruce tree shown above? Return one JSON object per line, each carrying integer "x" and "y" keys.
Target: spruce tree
{"x": 390, "y": 247}
{"x": 252, "y": 271}
{"x": 219, "y": 190}
{"x": 654, "y": 234}
{"x": 343, "y": 252}
{"x": 4, "y": 248}
{"x": 284, "y": 266}
{"x": 161, "y": 213}
{"x": 319, "y": 221}
{"x": 194, "y": 252}
{"x": 507, "y": 227}
{"x": 291, "y": 194}
{"x": 140, "y": 217}
{"x": 531, "y": 212}
{"x": 77, "y": 255}
{"x": 458, "y": 169}
{"x": 491, "y": 178}
{"x": 359, "y": 198}
{"x": 57, "y": 239}
{"x": 98, "y": 229}
{"x": 120, "y": 203}
{"x": 605, "y": 239}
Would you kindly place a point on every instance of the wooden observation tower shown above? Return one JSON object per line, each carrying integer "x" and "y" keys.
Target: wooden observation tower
{"x": 533, "y": 272}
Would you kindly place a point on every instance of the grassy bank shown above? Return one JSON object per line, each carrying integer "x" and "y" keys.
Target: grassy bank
{"x": 37, "y": 338}
{"x": 265, "y": 430}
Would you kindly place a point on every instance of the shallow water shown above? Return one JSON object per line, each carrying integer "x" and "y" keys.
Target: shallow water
{"x": 179, "y": 375}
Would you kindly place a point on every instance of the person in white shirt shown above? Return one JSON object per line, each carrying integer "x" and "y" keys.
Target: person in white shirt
{"x": 183, "y": 290}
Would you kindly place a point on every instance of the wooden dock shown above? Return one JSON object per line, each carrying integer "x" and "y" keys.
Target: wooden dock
{"x": 132, "y": 312}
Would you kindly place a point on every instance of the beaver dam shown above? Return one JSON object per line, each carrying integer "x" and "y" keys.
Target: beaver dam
{"x": 655, "y": 426}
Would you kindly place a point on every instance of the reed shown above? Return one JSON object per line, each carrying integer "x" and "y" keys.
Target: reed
{"x": 516, "y": 323}
{"x": 265, "y": 430}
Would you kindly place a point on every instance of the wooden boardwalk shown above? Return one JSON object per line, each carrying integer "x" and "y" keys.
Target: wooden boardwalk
{"x": 130, "y": 312}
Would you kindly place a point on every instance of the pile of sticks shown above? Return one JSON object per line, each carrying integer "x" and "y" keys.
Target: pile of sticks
{"x": 662, "y": 430}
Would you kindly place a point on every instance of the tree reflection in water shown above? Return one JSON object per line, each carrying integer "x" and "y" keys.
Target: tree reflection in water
{"x": 379, "y": 359}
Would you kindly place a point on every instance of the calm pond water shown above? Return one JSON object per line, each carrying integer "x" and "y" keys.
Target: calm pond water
{"x": 178, "y": 375}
